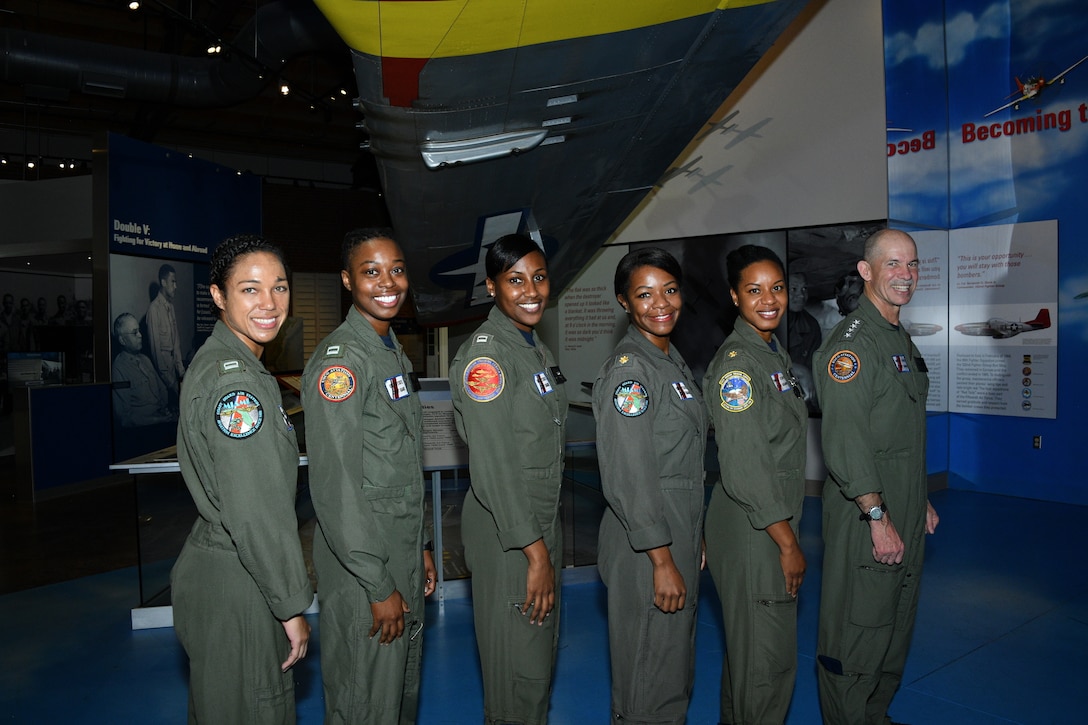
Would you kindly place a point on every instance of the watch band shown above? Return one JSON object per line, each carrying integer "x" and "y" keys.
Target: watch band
{"x": 866, "y": 516}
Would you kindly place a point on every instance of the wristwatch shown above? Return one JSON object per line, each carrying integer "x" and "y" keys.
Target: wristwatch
{"x": 876, "y": 513}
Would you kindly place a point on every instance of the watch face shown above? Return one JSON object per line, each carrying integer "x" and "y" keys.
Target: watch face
{"x": 876, "y": 513}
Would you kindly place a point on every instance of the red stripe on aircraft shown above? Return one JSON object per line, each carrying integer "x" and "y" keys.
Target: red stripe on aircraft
{"x": 400, "y": 79}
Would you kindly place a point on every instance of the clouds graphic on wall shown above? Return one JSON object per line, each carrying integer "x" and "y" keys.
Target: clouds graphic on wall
{"x": 942, "y": 44}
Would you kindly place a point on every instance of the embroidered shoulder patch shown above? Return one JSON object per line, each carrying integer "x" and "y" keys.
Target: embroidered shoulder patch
{"x": 735, "y": 388}
{"x": 336, "y": 383}
{"x": 631, "y": 398}
{"x": 843, "y": 366}
{"x": 239, "y": 414}
{"x": 484, "y": 380}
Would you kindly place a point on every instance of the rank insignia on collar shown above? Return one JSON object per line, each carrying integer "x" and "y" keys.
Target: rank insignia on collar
{"x": 852, "y": 328}
{"x": 843, "y": 366}
{"x": 239, "y": 414}
{"x": 735, "y": 388}
{"x": 336, "y": 383}
{"x": 335, "y": 350}
{"x": 631, "y": 398}
{"x": 732, "y": 353}
{"x": 484, "y": 380}
{"x": 624, "y": 359}
{"x": 231, "y": 366}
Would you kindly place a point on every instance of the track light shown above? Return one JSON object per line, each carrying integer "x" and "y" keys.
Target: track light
{"x": 215, "y": 49}
{"x": 134, "y": 5}
{"x": 285, "y": 89}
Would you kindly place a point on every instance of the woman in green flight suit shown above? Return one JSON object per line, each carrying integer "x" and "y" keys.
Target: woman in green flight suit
{"x": 651, "y": 439}
{"x": 760, "y": 423}
{"x": 511, "y": 409}
{"x": 240, "y": 583}
{"x": 363, "y": 439}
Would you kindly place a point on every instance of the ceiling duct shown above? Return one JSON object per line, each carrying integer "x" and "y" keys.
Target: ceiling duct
{"x": 279, "y": 31}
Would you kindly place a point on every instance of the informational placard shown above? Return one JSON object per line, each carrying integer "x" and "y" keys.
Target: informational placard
{"x": 1003, "y": 342}
{"x": 442, "y": 445}
{"x": 591, "y": 322}
{"x": 926, "y": 317}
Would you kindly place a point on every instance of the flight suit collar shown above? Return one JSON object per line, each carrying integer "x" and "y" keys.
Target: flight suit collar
{"x": 867, "y": 310}
{"x": 222, "y": 334}
{"x": 639, "y": 340}
{"x": 748, "y": 334}
{"x": 366, "y": 332}
{"x": 505, "y": 328}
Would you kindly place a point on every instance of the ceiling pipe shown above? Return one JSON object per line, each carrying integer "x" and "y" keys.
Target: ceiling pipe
{"x": 279, "y": 31}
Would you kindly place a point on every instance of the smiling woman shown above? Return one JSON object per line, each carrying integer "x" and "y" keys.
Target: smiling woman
{"x": 651, "y": 437}
{"x": 511, "y": 408}
{"x": 240, "y": 583}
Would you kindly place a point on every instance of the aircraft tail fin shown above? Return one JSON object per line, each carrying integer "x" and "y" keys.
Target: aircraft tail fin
{"x": 1042, "y": 320}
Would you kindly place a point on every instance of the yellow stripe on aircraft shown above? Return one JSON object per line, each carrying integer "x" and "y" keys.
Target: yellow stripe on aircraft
{"x": 451, "y": 28}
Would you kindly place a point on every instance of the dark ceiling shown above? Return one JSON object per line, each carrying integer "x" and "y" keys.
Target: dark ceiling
{"x": 316, "y": 121}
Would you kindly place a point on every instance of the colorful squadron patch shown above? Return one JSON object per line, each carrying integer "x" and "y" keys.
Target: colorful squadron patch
{"x": 484, "y": 380}
{"x": 239, "y": 414}
{"x": 336, "y": 383}
{"x": 631, "y": 398}
{"x": 736, "y": 391}
{"x": 843, "y": 366}
{"x": 900, "y": 362}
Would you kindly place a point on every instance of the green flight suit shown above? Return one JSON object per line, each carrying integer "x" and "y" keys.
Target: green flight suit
{"x": 760, "y": 425}
{"x": 510, "y": 407}
{"x": 241, "y": 571}
{"x": 872, "y": 387}
{"x": 651, "y": 443}
{"x": 364, "y": 444}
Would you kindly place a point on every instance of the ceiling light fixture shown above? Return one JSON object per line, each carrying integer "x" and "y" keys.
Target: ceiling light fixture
{"x": 285, "y": 89}
{"x": 134, "y": 5}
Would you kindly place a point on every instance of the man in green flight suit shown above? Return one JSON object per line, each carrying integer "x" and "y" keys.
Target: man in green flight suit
{"x": 872, "y": 387}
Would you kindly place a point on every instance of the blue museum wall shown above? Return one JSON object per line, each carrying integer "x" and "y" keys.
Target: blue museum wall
{"x": 950, "y": 67}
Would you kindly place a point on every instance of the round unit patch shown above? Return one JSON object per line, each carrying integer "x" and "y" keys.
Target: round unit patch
{"x": 736, "y": 391}
{"x": 336, "y": 383}
{"x": 484, "y": 380}
{"x": 843, "y": 366}
{"x": 631, "y": 398}
{"x": 239, "y": 414}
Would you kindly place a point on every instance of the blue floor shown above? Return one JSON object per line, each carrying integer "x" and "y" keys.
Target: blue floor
{"x": 1002, "y": 637}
